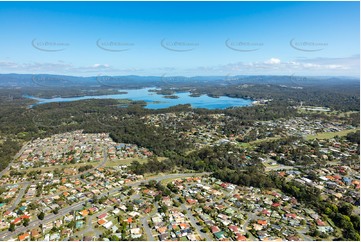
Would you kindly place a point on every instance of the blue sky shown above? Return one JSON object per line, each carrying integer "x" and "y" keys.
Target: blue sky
{"x": 180, "y": 38}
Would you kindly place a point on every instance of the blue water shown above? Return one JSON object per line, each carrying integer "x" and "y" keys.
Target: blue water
{"x": 157, "y": 101}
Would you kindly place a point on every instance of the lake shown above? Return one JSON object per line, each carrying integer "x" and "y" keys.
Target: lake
{"x": 157, "y": 101}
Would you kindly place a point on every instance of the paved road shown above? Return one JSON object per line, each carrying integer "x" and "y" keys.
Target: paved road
{"x": 195, "y": 225}
{"x": 6, "y": 235}
{"x": 302, "y": 234}
{"x": 19, "y": 197}
{"x": 89, "y": 227}
{"x": 148, "y": 231}
{"x": 250, "y": 216}
{"x": 15, "y": 157}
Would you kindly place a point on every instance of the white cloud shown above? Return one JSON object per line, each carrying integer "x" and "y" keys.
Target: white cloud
{"x": 101, "y": 66}
{"x": 273, "y": 61}
{"x": 347, "y": 66}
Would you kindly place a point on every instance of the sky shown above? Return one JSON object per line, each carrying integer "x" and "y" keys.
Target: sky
{"x": 180, "y": 38}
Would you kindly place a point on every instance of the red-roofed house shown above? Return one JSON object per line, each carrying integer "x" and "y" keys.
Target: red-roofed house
{"x": 320, "y": 222}
{"x": 24, "y": 236}
{"x": 262, "y": 222}
{"x": 191, "y": 201}
{"x": 25, "y": 216}
{"x": 266, "y": 212}
{"x": 101, "y": 216}
{"x": 16, "y": 221}
{"x": 215, "y": 229}
{"x": 240, "y": 237}
{"x": 276, "y": 205}
{"x": 101, "y": 221}
{"x": 291, "y": 215}
{"x": 233, "y": 228}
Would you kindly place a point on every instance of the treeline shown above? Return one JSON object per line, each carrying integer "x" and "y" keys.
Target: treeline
{"x": 159, "y": 140}
{"x": 85, "y": 168}
{"x": 273, "y": 110}
{"x": 153, "y": 165}
{"x": 342, "y": 215}
{"x": 354, "y": 137}
{"x": 8, "y": 149}
{"x": 252, "y": 176}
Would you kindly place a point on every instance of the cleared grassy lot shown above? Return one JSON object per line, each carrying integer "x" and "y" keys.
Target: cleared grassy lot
{"x": 128, "y": 161}
{"x": 122, "y": 162}
{"x": 329, "y": 135}
{"x": 255, "y": 142}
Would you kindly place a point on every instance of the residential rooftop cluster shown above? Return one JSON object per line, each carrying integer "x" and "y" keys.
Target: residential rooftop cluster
{"x": 214, "y": 129}
{"x": 75, "y": 147}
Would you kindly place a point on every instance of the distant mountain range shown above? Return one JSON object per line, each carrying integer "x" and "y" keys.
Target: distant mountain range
{"x": 47, "y": 80}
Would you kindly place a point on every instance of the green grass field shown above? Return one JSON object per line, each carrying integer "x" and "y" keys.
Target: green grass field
{"x": 255, "y": 142}
{"x": 329, "y": 135}
{"x": 51, "y": 168}
{"x": 122, "y": 162}
{"x": 330, "y": 113}
{"x": 128, "y": 161}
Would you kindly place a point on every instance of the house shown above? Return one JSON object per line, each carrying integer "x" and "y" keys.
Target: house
{"x": 163, "y": 237}
{"x": 183, "y": 225}
{"x": 219, "y": 235}
{"x": 257, "y": 227}
{"x": 136, "y": 233}
{"x": 93, "y": 210}
{"x": 266, "y": 212}
{"x": 162, "y": 230}
{"x": 167, "y": 201}
{"x": 116, "y": 211}
{"x": 70, "y": 171}
{"x": 108, "y": 225}
{"x": 66, "y": 232}
{"x": 54, "y": 237}
{"x": 134, "y": 214}
{"x": 233, "y": 228}
{"x": 114, "y": 229}
{"x": 102, "y": 216}
{"x": 79, "y": 224}
{"x": 215, "y": 229}
{"x": 320, "y": 222}
{"x": 290, "y": 216}
{"x": 84, "y": 213}
{"x": 68, "y": 218}
{"x": 192, "y": 237}
{"x": 229, "y": 211}
{"x": 16, "y": 221}
{"x": 276, "y": 205}
{"x": 262, "y": 222}
{"x": 156, "y": 220}
{"x": 325, "y": 229}
{"x": 9, "y": 214}
{"x": 24, "y": 236}
{"x": 293, "y": 238}
{"x": 240, "y": 237}
{"x": 101, "y": 221}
